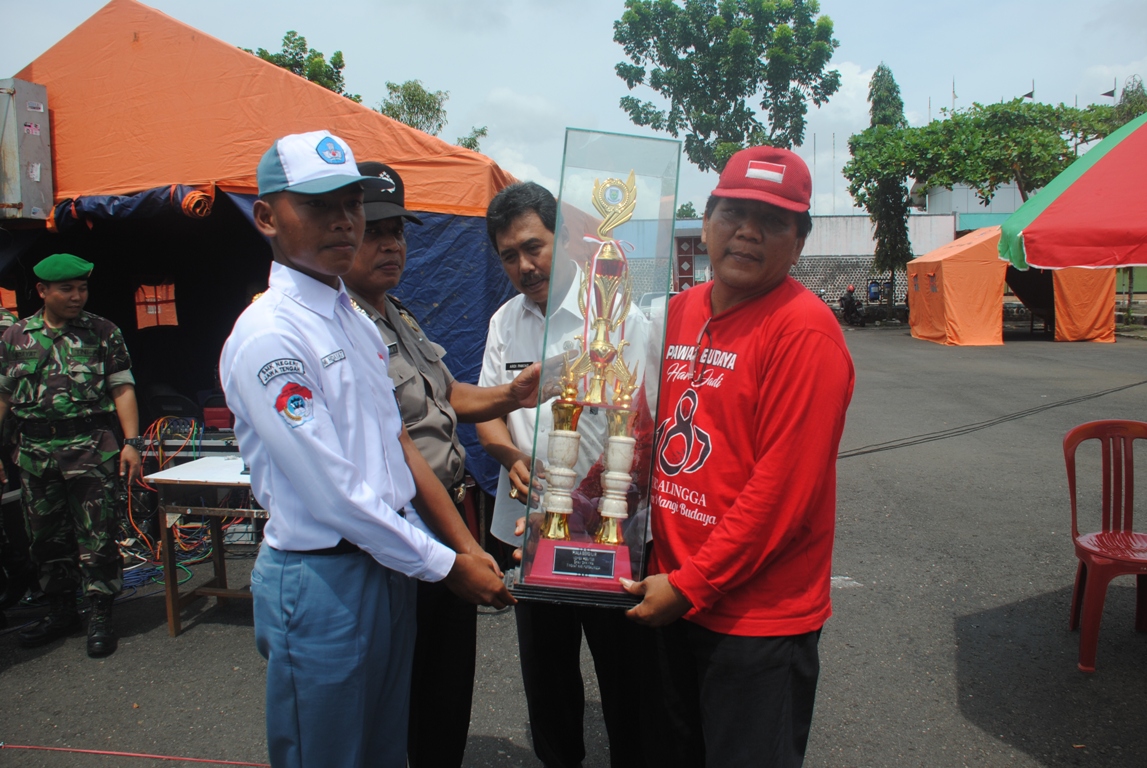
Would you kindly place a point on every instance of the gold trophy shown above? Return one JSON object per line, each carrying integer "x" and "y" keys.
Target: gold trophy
{"x": 562, "y": 455}
{"x": 601, "y": 373}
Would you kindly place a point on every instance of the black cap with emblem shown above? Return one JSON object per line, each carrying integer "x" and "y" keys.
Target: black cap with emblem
{"x": 386, "y": 202}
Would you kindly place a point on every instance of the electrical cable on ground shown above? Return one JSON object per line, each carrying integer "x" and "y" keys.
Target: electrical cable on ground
{"x": 4, "y": 745}
{"x": 907, "y": 442}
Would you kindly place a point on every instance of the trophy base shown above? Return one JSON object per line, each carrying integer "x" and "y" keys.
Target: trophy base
{"x": 537, "y": 594}
{"x": 576, "y": 572}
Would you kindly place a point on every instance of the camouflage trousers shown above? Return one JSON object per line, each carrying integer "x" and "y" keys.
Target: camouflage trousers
{"x": 70, "y": 514}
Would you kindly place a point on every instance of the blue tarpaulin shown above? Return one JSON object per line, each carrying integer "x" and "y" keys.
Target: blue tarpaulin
{"x": 152, "y": 202}
{"x": 453, "y": 283}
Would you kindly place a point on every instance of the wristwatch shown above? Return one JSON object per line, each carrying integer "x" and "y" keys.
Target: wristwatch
{"x": 134, "y": 442}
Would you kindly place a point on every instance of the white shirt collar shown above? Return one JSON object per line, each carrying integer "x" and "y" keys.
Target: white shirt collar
{"x": 568, "y": 302}
{"x": 306, "y": 291}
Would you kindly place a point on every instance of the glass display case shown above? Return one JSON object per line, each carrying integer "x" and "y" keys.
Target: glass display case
{"x": 588, "y": 512}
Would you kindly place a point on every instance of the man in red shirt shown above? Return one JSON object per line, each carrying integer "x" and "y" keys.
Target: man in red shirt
{"x": 755, "y": 385}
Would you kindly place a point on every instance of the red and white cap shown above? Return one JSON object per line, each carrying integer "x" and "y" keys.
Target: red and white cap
{"x": 774, "y": 176}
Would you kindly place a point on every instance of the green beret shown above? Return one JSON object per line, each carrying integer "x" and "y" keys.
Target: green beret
{"x": 62, "y": 266}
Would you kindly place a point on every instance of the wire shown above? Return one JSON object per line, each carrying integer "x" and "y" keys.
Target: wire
{"x": 181, "y": 567}
{"x": 929, "y": 437}
{"x": 130, "y": 754}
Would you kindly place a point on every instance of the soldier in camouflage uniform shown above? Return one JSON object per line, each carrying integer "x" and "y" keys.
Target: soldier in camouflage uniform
{"x": 65, "y": 375}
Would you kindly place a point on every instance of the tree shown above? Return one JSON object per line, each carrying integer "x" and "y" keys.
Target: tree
{"x": 309, "y": 63}
{"x": 687, "y": 211}
{"x": 410, "y": 103}
{"x": 413, "y": 105}
{"x": 987, "y": 146}
{"x": 709, "y": 59}
{"x": 470, "y": 141}
{"x": 1132, "y": 102}
{"x": 878, "y": 183}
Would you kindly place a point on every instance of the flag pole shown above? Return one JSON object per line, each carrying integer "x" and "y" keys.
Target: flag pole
{"x": 834, "y": 173}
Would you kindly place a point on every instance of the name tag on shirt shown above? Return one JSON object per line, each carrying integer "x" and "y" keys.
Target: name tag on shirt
{"x": 279, "y": 367}
{"x": 392, "y": 349}
{"x": 519, "y": 366}
{"x": 333, "y": 358}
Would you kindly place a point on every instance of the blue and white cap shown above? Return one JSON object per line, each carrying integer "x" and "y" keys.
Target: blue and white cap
{"x": 310, "y": 164}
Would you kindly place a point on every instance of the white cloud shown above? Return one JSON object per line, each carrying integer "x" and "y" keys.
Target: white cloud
{"x": 463, "y": 16}
{"x": 519, "y": 117}
{"x": 513, "y": 161}
{"x": 849, "y": 105}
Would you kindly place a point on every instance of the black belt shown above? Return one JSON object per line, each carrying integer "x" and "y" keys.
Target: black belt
{"x": 344, "y": 547}
{"x": 46, "y": 430}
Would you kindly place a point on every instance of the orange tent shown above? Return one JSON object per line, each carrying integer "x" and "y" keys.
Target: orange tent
{"x": 1084, "y": 304}
{"x": 955, "y": 295}
{"x": 956, "y": 292}
{"x": 140, "y": 100}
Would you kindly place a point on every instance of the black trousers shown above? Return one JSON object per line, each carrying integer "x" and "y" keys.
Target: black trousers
{"x": 730, "y": 701}
{"x": 549, "y": 643}
{"x": 442, "y": 679}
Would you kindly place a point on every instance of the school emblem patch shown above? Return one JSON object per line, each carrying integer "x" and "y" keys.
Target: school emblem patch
{"x": 294, "y": 404}
{"x": 330, "y": 151}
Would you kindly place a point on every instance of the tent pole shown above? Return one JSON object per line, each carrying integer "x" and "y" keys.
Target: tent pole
{"x": 1130, "y": 292}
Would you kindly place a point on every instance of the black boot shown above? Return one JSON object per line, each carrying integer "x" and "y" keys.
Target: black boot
{"x": 101, "y": 634}
{"x": 62, "y": 620}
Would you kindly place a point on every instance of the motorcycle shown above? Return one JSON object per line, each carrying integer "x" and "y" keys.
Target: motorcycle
{"x": 852, "y": 310}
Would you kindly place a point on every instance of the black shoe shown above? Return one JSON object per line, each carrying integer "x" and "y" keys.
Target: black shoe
{"x": 62, "y": 620}
{"x": 19, "y": 581}
{"x": 101, "y": 634}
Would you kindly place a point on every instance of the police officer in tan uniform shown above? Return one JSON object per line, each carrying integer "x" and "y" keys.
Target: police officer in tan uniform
{"x": 432, "y": 403}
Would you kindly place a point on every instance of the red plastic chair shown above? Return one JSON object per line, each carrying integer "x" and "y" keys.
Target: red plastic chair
{"x": 1115, "y": 550}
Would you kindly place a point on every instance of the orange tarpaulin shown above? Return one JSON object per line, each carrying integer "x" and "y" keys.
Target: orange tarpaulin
{"x": 956, "y": 292}
{"x": 141, "y": 100}
{"x": 155, "y": 305}
{"x": 1084, "y": 304}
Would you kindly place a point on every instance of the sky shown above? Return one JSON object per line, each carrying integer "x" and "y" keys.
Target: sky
{"x": 528, "y": 69}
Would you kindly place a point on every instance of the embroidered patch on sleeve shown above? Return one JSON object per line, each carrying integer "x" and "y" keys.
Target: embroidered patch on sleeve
{"x": 295, "y": 404}
{"x": 333, "y": 358}
{"x": 279, "y": 367}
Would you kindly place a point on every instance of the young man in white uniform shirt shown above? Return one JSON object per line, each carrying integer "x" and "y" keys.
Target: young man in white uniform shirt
{"x": 306, "y": 377}
{"x": 521, "y": 221}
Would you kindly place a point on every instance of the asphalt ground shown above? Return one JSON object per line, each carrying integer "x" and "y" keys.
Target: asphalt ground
{"x": 949, "y": 643}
